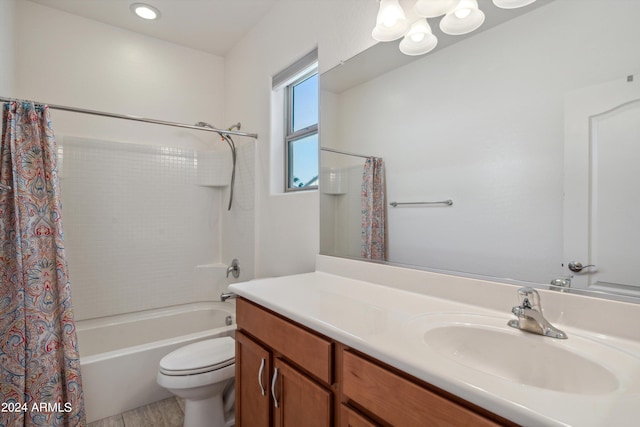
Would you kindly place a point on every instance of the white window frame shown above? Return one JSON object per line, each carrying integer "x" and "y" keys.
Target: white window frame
{"x": 291, "y": 136}
{"x": 283, "y": 82}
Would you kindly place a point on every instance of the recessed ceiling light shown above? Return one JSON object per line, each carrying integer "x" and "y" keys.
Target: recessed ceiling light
{"x": 145, "y": 11}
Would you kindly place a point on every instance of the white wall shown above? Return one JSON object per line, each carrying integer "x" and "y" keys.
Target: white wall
{"x": 481, "y": 122}
{"x": 7, "y": 10}
{"x": 287, "y": 224}
{"x": 64, "y": 59}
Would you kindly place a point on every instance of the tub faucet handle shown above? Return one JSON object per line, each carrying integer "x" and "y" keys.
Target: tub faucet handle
{"x": 234, "y": 269}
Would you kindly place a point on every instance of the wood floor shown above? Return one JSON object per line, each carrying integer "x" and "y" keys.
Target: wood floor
{"x": 165, "y": 413}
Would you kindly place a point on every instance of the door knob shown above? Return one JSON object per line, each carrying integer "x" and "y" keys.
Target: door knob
{"x": 577, "y": 267}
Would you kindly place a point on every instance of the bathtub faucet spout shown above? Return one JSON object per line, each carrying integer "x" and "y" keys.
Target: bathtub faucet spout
{"x": 227, "y": 295}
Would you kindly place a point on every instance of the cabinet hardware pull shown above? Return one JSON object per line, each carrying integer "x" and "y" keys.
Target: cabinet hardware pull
{"x": 260, "y": 371}
{"x": 273, "y": 387}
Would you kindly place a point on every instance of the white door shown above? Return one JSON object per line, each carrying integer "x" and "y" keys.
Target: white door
{"x": 602, "y": 185}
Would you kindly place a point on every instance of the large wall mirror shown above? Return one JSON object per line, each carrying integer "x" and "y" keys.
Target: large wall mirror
{"x": 531, "y": 128}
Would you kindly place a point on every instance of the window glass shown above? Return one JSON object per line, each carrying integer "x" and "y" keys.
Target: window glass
{"x": 303, "y": 155}
{"x": 305, "y": 103}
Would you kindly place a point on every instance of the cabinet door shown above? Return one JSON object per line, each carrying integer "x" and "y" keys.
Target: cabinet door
{"x": 253, "y": 364}
{"x": 298, "y": 400}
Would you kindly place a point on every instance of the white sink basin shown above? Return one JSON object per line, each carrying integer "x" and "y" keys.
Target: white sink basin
{"x": 576, "y": 365}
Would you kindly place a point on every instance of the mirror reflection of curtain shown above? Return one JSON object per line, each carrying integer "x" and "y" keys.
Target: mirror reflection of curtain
{"x": 39, "y": 360}
{"x": 373, "y": 218}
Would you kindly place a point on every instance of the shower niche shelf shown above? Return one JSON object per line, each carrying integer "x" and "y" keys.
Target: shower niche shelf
{"x": 334, "y": 181}
{"x": 214, "y": 168}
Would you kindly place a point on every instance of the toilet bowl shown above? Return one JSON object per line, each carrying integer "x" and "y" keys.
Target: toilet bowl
{"x": 202, "y": 374}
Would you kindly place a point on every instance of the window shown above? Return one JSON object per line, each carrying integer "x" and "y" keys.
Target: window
{"x": 295, "y": 90}
{"x": 301, "y": 133}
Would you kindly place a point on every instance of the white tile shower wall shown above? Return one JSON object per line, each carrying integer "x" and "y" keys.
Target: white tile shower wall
{"x": 238, "y": 225}
{"x": 348, "y": 222}
{"x": 340, "y": 212}
{"x": 214, "y": 168}
{"x": 136, "y": 226}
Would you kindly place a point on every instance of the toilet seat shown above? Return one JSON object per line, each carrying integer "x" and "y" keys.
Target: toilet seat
{"x": 198, "y": 358}
{"x": 202, "y": 374}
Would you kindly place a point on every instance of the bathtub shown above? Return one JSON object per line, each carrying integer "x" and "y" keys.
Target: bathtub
{"x": 119, "y": 355}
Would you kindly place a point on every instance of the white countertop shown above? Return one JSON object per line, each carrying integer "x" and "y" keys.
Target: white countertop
{"x": 377, "y": 320}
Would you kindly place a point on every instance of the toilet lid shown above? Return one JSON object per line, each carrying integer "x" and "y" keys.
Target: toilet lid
{"x": 203, "y": 356}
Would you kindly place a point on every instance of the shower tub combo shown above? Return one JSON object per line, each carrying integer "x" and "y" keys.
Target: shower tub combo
{"x": 119, "y": 355}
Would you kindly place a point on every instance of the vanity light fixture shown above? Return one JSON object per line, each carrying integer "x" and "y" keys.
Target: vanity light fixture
{"x": 512, "y": 4}
{"x": 465, "y": 18}
{"x": 434, "y": 8}
{"x": 419, "y": 40}
{"x": 145, "y": 11}
{"x": 409, "y": 20}
{"x": 391, "y": 23}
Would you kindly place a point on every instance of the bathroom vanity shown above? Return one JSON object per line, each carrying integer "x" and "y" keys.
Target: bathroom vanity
{"x": 289, "y": 375}
{"x": 357, "y": 344}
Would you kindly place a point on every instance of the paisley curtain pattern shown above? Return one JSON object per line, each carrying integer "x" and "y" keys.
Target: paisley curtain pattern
{"x": 373, "y": 214}
{"x": 39, "y": 363}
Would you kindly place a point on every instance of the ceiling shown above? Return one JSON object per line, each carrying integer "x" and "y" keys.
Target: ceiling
{"x": 213, "y": 26}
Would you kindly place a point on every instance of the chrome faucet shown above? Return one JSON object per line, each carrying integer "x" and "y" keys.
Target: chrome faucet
{"x": 529, "y": 315}
{"x": 227, "y": 295}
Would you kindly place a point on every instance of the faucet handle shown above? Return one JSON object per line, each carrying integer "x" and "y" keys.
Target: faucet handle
{"x": 529, "y": 298}
{"x": 529, "y": 315}
{"x": 234, "y": 268}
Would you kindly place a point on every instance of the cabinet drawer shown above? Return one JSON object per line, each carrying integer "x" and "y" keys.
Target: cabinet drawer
{"x": 350, "y": 418}
{"x": 304, "y": 348}
{"x": 399, "y": 401}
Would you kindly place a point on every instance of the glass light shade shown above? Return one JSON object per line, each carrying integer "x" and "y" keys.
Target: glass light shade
{"x": 433, "y": 8}
{"x": 465, "y": 18}
{"x": 419, "y": 40}
{"x": 512, "y": 4}
{"x": 391, "y": 23}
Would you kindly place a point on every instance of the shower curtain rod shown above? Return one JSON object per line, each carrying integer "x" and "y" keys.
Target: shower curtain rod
{"x": 344, "y": 152}
{"x": 136, "y": 118}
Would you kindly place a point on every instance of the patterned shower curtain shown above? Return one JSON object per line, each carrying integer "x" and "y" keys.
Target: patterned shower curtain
{"x": 39, "y": 362}
{"x": 373, "y": 218}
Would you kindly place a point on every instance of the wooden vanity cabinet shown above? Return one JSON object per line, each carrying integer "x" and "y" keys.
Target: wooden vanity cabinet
{"x": 284, "y": 373}
{"x": 290, "y": 376}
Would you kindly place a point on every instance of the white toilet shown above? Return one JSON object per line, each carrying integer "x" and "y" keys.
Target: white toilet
{"x": 202, "y": 374}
